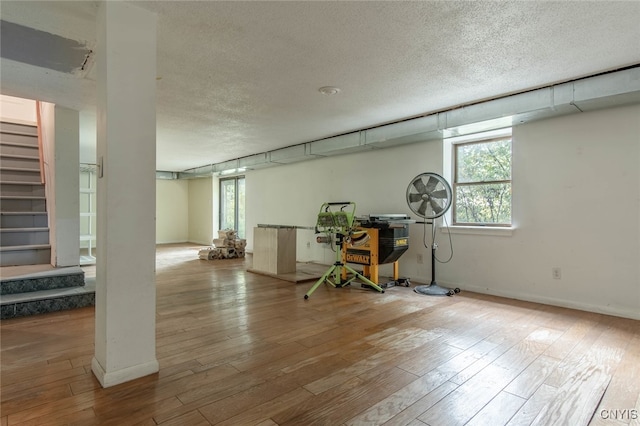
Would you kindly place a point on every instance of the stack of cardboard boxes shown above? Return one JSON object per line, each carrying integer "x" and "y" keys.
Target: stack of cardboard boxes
{"x": 226, "y": 246}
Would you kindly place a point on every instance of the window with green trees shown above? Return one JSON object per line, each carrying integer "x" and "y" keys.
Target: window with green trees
{"x": 482, "y": 182}
{"x": 232, "y": 195}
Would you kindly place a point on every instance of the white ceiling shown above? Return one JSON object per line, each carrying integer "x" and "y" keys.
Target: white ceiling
{"x": 239, "y": 78}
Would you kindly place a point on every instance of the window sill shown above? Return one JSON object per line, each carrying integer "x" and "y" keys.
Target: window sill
{"x": 480, "y": 230}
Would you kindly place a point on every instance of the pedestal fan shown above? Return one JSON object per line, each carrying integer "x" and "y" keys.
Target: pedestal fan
{"x": 429, "y": 196}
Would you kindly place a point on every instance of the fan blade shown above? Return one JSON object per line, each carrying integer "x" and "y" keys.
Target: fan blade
{"x": 435, "y": 206}
{"x": 431, "y": 185}
{"x": 415, "y": 197}
{"x": 441, "y": 193}
{"x": 419, "y": 185}
{"x": 422, "y": 209}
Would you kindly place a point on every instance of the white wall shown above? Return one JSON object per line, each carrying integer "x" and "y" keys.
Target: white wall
{"x": 172, "y": 211}
{"x": 17, "y": 110}
{"x": 201, "y": 217}
{"x": 88, "y": 137}
{"x": 375, "y": 180}
{"x": 576, "y": 192}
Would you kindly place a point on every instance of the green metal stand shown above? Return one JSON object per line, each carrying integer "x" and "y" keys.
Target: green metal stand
{"x": 333, "y": 276}
{"x": 341, "y": 223}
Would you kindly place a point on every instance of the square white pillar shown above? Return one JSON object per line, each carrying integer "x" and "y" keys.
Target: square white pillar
{"x": 126, "y": 199}
{"x": 65, "y": 220}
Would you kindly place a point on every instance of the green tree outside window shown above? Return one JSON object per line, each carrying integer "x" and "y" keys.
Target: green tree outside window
{"x": 482, "y": 183}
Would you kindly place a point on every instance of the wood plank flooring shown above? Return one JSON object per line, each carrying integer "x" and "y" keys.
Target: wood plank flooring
{"x": 237, "y": 348}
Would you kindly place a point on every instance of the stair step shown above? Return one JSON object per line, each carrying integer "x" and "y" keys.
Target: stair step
{"x": 20, "y": 157}
{"x": 46, "y": 280}
{"x": 8, "y": 148}
{"x": 12, "y": 230}
{"x": 28, "y": 129}
{"x": 19, "y": 182}
{"x": 21, "y": 169}
{"x": 23, "y": 236}
{"x": 25, "y": 255}
{"x": 22, "y": 189}
{"x": 17, "y": 203}
{"x": 18, "y": 136}
{"x": 21, "y": 248}
{"x": 19, "y": 133}
{"x": 24, "y": 161}
{"x": 45, "y": 301}
{"x": 20, "y": 197}
{"x": 20, "y": 174}
{"x": 23, "y": 219}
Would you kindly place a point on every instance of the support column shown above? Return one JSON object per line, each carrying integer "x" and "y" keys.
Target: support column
{"x": 126, "y": 201}
{"x": 65, "y": 229}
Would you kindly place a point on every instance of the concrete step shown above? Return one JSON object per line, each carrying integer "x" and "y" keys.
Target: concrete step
{"x": 25, "y": 255}
{"x": 20, "y": 174}
{"x": 23, "y": 236}
{"x": 50, "y": 279}
{"x": 17, "y": 188}
{"x": 49, "y": 299}
{"x": 15, "y": 203}
{"x": 23, "y": 219}
{"x": 9, "y": 148}
{"x": 21, "y": 161}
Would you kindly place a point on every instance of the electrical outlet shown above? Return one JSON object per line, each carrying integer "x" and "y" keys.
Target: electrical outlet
{"x": 556, "y": 273}
{"x": 420, "y": 259}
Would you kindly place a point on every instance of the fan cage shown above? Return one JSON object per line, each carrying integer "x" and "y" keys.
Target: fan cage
{"x": 429, "y": 195}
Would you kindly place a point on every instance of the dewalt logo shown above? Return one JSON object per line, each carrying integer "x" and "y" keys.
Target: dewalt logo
{"x": 358, "y": 256}
{"x": 402, "y": 242}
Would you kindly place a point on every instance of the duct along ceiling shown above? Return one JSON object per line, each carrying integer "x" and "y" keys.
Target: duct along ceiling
{"x": 241, "y": 80}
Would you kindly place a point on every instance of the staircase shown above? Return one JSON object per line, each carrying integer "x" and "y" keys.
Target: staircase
{"x": 24, "y": 232}
{"x": 24, "y": 235}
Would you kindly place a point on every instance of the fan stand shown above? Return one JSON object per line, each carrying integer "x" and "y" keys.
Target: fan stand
{"x": 433, "y": 289}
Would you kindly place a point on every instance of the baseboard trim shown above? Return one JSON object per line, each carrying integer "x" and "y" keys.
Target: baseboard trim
{"x": 113, "y": 378}
{"x": 208, "y": 244}
{"x": 606, "y": 310}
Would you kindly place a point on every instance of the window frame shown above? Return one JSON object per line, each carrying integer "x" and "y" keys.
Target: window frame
{"x": 221, "y": 212}
{"x": 477, "y": 140}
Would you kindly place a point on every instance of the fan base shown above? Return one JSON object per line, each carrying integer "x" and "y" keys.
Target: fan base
{"x": 433, "y": 289}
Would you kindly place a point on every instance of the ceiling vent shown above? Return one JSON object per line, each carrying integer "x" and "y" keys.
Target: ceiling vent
{"x": 338, "y": 145}
{"x": 603, "y": 91}
{"x": 291, "y": 154}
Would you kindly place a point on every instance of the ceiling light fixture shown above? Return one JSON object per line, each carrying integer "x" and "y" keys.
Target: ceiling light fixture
{"x": 329, "y": 90}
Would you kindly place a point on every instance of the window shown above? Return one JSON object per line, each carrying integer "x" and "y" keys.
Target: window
{"x": 482, "y": 182}
{"x": 232, "y": 192}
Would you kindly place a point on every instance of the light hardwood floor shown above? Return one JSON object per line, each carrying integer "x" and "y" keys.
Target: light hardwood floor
{"x": 237, "y": 348}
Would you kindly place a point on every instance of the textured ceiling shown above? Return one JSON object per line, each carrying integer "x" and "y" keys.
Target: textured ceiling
{"x": 239, "y": 78}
